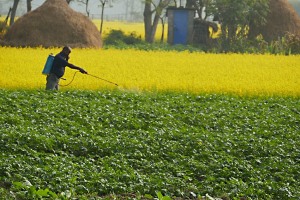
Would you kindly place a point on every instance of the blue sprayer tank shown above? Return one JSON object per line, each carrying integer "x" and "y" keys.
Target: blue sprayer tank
{"x": 48, "y": 65}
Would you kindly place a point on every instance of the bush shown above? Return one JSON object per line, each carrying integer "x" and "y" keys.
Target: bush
{"x": 286, "y": 45}
{"x": 239, "y": 45}
{"x": 3, "y": 29}
{"x": 293, "y": 43}
{"x": 289, "y": 44}
{"x": 118, "y": 37}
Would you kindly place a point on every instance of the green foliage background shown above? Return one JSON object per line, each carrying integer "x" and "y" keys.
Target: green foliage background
{"x": 81, "y": 144}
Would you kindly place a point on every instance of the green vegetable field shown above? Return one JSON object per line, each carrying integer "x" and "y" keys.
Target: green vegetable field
{"x": 126, "y": 145}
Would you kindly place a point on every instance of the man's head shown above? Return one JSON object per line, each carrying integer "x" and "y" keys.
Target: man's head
{"x": 67, "y": 50}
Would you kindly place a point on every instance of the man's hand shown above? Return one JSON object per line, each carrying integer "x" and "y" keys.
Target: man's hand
{"x": 82, "y": 71}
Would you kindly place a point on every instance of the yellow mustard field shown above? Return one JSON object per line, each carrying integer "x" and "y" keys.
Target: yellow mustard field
{"x": 137, "y": 70}
{"x": 126, "y": 27}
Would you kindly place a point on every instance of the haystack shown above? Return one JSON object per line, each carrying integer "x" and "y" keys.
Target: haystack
{"x": 282, "y": 19}
{"x": 53, "y": 24}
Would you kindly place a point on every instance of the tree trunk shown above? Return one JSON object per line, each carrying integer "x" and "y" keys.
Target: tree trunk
{"x": 13, "y": 12}
{"x": 189, "y": 3}
{"x": 86, "y": 3}
{"x": 102, "y": 13}
{"x": 148, "y": 20}
{"x": 154, "y": 27}
{"x": 86, "y": 8}
{"x": 29, "y": 5}
{"x": 7, "y": 17}
{"x": 150, "y": 29}
{"x": 163, "y": 30}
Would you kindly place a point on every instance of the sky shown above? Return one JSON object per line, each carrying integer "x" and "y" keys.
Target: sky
{"x": 115, "y": 10}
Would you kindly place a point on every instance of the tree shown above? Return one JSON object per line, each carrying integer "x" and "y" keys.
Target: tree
{"x": 201, "y": 33}
{"x": 235, "y": 16}
{"x": 13, "y": 12}
{"x": 86, "y": 3}
{"x": 132, "y": 11}
{"x": 149, "y": 23}
{"x": 7, "y": 17}
{"x": 15, "y": 6}
{"x": 103, "y": 2}
{"x": 28, "y": 5}
{"x": 200, "y": 6}
{"x": 162, "y": 19}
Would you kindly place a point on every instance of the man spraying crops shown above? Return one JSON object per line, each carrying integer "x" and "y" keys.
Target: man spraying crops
{"x": 58, "y": 68}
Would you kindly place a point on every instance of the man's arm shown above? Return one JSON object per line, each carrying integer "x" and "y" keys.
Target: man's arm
{"x": 78, "y": 68}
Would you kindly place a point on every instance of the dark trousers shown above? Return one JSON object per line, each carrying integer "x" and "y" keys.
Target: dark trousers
{"x": 52, "y": 82}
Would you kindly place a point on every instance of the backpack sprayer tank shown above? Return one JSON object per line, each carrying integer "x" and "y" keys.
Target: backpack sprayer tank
{"x": 48, "y": 65}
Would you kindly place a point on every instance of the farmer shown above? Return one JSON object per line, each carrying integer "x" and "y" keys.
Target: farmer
{"x": 58, "y": 68}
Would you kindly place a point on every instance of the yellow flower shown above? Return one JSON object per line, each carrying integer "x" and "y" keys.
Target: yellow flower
{"x": 157, "y": 71}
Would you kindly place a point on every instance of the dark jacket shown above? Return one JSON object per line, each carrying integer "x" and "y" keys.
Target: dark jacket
{"x": 59, "y": 64}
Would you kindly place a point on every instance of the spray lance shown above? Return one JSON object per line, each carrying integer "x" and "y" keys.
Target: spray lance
{"x": 48, "y": 66}
{"x": 102, "y": 79}
{"x": 91, "y": 76}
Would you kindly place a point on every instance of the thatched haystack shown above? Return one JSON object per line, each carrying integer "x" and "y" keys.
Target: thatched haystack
{"x": 281, "y": 20}
{"x": 53, "y": 24}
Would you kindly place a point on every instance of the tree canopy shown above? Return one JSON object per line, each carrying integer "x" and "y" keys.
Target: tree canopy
{"x": 235, "y": 16}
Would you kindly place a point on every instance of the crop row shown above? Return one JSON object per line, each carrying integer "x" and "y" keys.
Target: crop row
{"x": 80, "y": 143}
